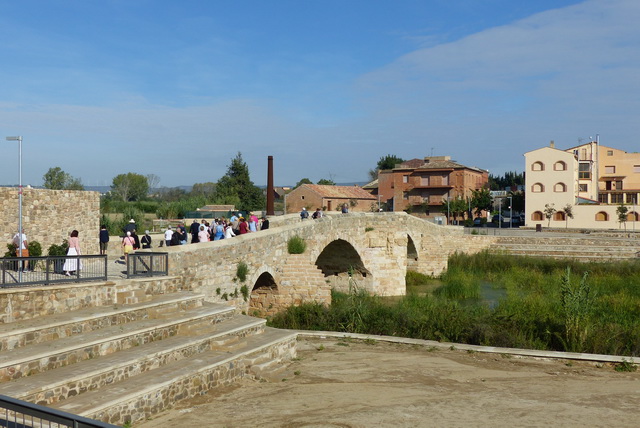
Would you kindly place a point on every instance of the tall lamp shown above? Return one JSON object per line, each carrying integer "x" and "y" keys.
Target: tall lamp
{"x": 19, "y": 140}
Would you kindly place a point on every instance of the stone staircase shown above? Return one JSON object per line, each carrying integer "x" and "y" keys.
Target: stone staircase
{"x": 571, "y": 247}
{"x": 124, "y": 362}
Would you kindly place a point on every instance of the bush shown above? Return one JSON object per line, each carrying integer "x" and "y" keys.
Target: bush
{"x": 58, "y": 250}
{"x": 241, "y": 271}
{"x": 296, "y": 245}
{"x": 416, "y": 278}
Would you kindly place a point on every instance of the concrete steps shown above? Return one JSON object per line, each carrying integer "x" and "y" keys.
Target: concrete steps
{"x": 124, "y": 362}
{"x": 53, "y": 386}
{"x": 152, "y": 392}
{"x": 583, "y": 249}
{"x": 43, "y": 329}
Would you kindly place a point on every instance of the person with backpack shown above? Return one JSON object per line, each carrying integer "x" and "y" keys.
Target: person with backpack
{"x": 317, "y": 214}
{"x": 304, "y": 214}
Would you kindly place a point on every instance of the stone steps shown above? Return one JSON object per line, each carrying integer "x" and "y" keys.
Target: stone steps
{"x": 154, "y": 391}
{"x": 52, "y": 327}
{"x": 40, "y": 357}
{"x": 53, "y": 386}
{"x": 123, "y": 362}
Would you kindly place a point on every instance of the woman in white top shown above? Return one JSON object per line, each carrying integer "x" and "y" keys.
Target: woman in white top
{"x": 228, "y": 231}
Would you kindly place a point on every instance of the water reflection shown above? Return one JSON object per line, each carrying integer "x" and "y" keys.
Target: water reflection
{"x": 490, "y": 295}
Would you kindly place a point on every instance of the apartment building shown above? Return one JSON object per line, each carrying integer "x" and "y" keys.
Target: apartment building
{"x": 590, "y": 178}
{"x": 424, "y": 184}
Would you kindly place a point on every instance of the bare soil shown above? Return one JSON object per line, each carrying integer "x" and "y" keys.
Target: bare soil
{"x": 337, "y": 383}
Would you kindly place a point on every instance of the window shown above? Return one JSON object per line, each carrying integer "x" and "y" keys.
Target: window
{"x": 636, "y": 169}
{"x": 583, "y": 187}
{"x": 632, "y": 216}
{"x": 616, "y": 198}
{"x": 602, "y": 216}
{"x": 619, "y": 185}
{"x": 302, "y": 197}
{"x": 560, "y": 188}
{"x": 405, "y": 178}
{"x": 559, "y": 166}
{"x": 603, "y": 198}
{"x": 537, "y": 216}
{"x": 609, "y": 152}
{"x": 583, "y": 154}
{"x": 584, "y": 171}
{"x": 424, "y": 180}
{"x": 611, "y": 169}
{"x": 405, "y": 195}
{"x": 445, "y": 180}
{"x": 631, "y": 198}
{"x": 537, "y": 188}
{"x": 537, "y": 166}
{"x": 559, "y": 216}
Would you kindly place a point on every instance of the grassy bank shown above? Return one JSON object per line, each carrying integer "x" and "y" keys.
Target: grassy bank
{"x": 548, "y": 304}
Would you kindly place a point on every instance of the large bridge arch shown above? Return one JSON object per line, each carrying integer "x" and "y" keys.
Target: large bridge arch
{"x": 342, "y": 266}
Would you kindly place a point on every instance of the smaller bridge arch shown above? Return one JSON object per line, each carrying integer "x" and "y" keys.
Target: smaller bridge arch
{"x": 264, "y": 294}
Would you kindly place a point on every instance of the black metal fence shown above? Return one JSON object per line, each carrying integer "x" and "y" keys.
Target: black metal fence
{"x": 17, "y": 414}
{"x": 23, "y": 271}
{"x": 147, "y": 264}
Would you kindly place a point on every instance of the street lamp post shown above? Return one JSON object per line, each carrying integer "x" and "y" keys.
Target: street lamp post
{"x": 19, "y": 140}
{"x": 511, "y": 211}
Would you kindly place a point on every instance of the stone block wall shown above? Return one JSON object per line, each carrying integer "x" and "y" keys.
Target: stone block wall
{"x": 49, "y": 216}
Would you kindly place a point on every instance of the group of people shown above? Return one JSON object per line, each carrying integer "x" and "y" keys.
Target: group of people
{"x": 70, "y": 266}
{"x": 220, "y": 228}
{"x": 317, "y": 214}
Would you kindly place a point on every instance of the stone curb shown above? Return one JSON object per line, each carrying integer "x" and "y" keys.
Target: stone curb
{"x": 476, "y": 348}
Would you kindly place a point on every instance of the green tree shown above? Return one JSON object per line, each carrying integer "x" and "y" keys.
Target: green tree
{"x": 385, "y": 162}
{"x": 326, "y": 182}
{"x": 622, "y": 215}
{"x": 481, "y": 200}
{"x": 56, "y": 179}
{"x": 207, "y": 190}
{"x": 455, "y": 207}
{"x": 568, "y": 211}
{"x": 236, "y": 187}
{"x": 130, "y": 186}
{"x": 303, "y": 181}
{"x": 549, "y": 211}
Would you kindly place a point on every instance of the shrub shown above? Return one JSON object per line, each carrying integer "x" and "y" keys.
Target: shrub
{"x": 241, "y": 271}
{"x": 58, "y": 250}
{"x": 245, "y": 292}
{"x": 296, "y": 245}
{"x": 416, "y": 278}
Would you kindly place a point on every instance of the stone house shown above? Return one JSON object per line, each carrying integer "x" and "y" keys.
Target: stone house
{"x": 422, "y": 185}
{"x": 330, "y": 198}
{"x": 593, "y": 180}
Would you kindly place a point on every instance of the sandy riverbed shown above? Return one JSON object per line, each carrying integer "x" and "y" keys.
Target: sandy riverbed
{"x": 335, "y": 383}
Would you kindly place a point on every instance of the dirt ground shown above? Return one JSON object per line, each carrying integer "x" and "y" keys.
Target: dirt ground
{"x": 338, "y": 383}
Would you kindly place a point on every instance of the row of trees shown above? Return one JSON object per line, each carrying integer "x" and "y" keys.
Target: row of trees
{"x": 549, "y": 210}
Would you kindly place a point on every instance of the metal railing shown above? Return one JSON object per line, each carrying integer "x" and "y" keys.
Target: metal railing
{"x": 17, "y": 414}
{"x": 145, "y": 264}
{"x": 24, "y": 271}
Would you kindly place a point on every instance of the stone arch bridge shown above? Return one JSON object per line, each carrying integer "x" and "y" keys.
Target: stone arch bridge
{"x": 368, "y": 250}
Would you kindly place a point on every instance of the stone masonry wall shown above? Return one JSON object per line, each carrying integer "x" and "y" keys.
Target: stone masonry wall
{"x": 49, "y": 216}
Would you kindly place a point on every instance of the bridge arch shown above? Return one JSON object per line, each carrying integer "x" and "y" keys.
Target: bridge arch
{"x": 412, "y": 254}
{"x": 264, "y": 295}
{"x": 342, "y": 266}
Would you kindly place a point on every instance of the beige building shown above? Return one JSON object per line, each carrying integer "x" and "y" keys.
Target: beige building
{"x": 590, "y": 180}
{"x": 330, "y": 198}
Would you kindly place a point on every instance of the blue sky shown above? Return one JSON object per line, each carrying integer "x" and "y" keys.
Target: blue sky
{"x": 176, "y": 89}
